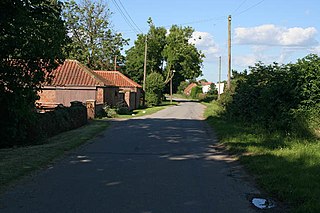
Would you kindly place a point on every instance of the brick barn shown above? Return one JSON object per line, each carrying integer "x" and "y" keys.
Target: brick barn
{"x": 130, "y": 91}
{"x": 73, "y": 81}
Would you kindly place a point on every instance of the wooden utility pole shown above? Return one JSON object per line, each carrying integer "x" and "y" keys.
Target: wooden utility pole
{"x": 145, "y": 63}
{"x": 171, "y": 91}
{"x": 229, "y": 52}
{"x": 115, "y": 63}
{"x": 219, "y": 77}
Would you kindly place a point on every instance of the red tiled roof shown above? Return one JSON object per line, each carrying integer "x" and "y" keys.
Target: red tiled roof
{"x": 189, "y": 87}
{"x": 203, "y": 83}
{"x": 118, "y": 79}
{"x": 73, "y": 73}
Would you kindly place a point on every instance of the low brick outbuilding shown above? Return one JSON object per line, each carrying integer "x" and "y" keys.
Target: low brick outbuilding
{"x": 187, "y": 91}
{"x": 130, "y": 91}
{"x": 72, "y": 81}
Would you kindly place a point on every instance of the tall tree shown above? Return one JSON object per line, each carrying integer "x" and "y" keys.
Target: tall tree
{"x": 166, "y": 52}
{"x": 156, "y": 40}
{"x": 94, "y": 43}
{"x": 182, "y": 56}
{"x": 31, "y": 41}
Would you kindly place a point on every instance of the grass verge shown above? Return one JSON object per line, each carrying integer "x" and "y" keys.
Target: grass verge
{"x": 148, "y": 110}
{"x": 286, "y": 167}
{"x": 18, "y": 162}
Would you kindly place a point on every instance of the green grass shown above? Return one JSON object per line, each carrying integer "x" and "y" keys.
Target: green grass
{"x": 18, "y": 162}
{"x": 148, "y": 110}
{"x": 285, "y": 166}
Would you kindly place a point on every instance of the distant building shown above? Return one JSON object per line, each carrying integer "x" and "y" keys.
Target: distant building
{"x": 206, "y": 86}
{"x": 187, "y": 91}
{"x": 221, "y": 87}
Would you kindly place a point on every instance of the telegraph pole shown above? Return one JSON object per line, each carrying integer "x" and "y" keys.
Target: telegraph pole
{"x": 219, "y": 77}
{"x": 145, "y": 63}
{"x": 115, "y": 63}
{"x": 229, "y": 52}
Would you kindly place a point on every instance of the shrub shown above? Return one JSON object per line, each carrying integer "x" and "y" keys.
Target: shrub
{"x": 183, "y": 85}
{"x": 108, "y": 111}
{"x": 154, "y": 87}
{"x": 51, "y": 123}
{"x": 152, "y": 99}
{"x": 207, "y": 97}
{"x": 122, "y": 108}
{"x": 278, "y": 97}
{"x": 195, "y": 91}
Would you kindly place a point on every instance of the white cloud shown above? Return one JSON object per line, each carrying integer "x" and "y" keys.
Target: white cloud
{"x": 245, "y": 60}
{"x": 204, "y": 41}
{"x": 270, "y": 34}
{"x": 315, "y": 50}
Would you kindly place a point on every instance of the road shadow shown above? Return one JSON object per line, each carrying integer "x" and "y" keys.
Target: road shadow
{"x": 141, "y": 165}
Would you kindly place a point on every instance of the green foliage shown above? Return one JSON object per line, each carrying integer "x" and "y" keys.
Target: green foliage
{"x": 122, "y": 108}
{"x": 152, "y": 99}
{"x": 92, "y": 40}
{"x": 108, "y": 111}
{"x": 211, "y": 95}
{"x": 31, "y": 41}
{"x": 61, "y": 119}
{"x": 213, "y": 90}
{"x": 182, "y": 56}
{"x": 195, "y": 91}
{"x": 183, "y": 85}
{"x": 135, "y": 55}
{"x": 154, "y": 88}
{"x": 285, "y": 166}
{"x": 172, "y": 50}
{"x": 21, "y": 161}
{"x": 279, "y": 97}
{"x": 226, "y": 98}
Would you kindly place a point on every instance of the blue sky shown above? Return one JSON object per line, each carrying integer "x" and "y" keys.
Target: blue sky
{"x": 262, "y": 30}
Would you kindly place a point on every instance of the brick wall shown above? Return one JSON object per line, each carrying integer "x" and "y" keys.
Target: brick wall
{"x": 48, "y": 96}
{"x": 100, "y": 95}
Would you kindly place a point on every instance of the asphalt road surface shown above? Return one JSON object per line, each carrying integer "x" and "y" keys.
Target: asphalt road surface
{"x": 167, "y": 162}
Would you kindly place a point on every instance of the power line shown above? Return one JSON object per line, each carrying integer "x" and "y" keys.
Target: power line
{"x": 129, "y": 16}
{"x": 250, "y": 7}
{"x": 239, "y": 7}
{"x": 125, "y": 17}
{"x": 220, "y": 18}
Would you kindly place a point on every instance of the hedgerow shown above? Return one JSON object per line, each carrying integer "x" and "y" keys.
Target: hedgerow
{"x": 278, "y": 97}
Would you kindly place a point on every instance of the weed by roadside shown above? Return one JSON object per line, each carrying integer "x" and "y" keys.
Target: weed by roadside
{"x": 147, "y": 110}
{"x": 18, "y": 162}
{"x": 285, "y": 166}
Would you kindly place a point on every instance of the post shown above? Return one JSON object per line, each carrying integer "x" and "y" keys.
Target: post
{"x": 115, "y": 63}
{"x": 172, "y": 74}
{"x": 91, "y": 108}
{"x": 229, "y": 52}
{"x": 219, "y": 77}
{"x": 171, "y": 91}
{"x": 145, "y": 64}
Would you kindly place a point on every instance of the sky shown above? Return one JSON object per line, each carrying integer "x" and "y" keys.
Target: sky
{"x": 261, "y": 30}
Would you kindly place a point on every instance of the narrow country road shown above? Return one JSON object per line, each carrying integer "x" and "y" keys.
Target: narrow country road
{"x": 166, "y": 162}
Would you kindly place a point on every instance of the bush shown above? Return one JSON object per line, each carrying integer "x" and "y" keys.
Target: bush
{"x": 122, "y": 108}
{"x": 152, "y": 99}
{"x": 195, "y": 91}
{"x": 51, "y": 123}
{"x": 226, "y": 98}
{"x": 279, "y": 97}
{"x": 108, "y": 111}
{"x": 154, "y": 87}
{"x": 207, "y": 97}
{"x": 183, "y": 85}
